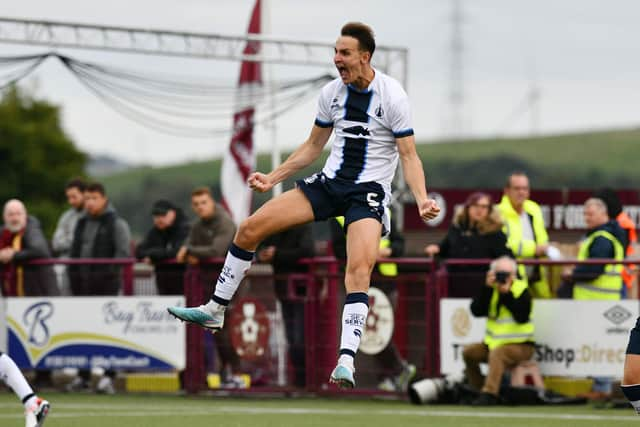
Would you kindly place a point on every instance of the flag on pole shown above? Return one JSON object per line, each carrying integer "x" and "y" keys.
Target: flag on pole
{"x": 239, "y": 160}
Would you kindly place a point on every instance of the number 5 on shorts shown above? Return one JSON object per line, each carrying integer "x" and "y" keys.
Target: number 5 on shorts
{"x": 371, "y": 200}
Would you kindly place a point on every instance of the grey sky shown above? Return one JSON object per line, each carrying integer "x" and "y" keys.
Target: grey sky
{"x": 581, "y": 54}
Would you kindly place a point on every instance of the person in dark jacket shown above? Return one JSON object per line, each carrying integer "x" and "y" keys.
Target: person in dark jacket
{"x": 162, "y": 242}
{"x": 21, "y": 240}
{"x": 475, "y": 232}
{"x": 604, "y": 239}
{"x": 283, "y": 251}
{"x": 100, "y": 233}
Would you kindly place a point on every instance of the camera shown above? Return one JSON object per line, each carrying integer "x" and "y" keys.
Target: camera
{"x": 502, "y": 276}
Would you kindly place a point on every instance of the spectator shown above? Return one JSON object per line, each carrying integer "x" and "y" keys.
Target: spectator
{"x": 397, "y": 372}
{"x": 162, "y": 242}
{"x": 506, "y": 303}
{"x": 21, "y": 240}
{"x": 604, "y": 239}
{"x": 526, "y": 233}
{"x": 63, "y": 235}
{"x": 614, "y": 210}
{"x": 283, "y": 251}
{"x": 210, "y": 236}
{"x": 475, "y": 232}
{"x": 100, "y": 233}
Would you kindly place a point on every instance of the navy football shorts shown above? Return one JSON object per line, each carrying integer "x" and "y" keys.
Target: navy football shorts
{"x": 634, "y": 339}
{"x": 337, "y": 197}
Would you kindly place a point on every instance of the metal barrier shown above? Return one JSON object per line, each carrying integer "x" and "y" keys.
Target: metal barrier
{"x": 268, "y": 311}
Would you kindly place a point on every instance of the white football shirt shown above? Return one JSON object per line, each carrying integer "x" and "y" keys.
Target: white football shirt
{"x": 366, "y": 124}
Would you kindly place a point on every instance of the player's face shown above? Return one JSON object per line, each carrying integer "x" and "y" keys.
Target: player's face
{"x": 349, "y": 59}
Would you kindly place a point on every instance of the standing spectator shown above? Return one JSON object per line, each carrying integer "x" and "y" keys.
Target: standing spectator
{"x": 475, "y": 232}
{"x": 63, "y": 235}
{"x": 506, "y": 303}
{"x": 526, "y": 233}
{"x": 22, "y": 239}
{"x": 614, "y": 210}
{"x": 210, "y": 236}
{"x": 604, "y": 239}
{"x": 283, "y": 251}
{"x": 100, "y": 233}
{"x": 397, "y": 372}
{"x": 162, "y": 242}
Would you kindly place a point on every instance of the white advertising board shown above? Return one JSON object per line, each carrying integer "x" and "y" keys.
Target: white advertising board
{"x": 573, "y": 338}
{"x": 83, "y": 332}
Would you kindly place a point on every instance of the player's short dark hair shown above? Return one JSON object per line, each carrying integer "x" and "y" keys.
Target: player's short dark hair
{"x": 76, "y": 183}
{"x": 96, "y": 187}
{"x": 361, "y": 32}
{"x": 199, "y": 191}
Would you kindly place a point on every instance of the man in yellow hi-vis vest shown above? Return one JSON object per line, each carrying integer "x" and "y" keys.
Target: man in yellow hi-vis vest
{"x": 506, "y": 302}
{"x": 526, "y": 234}
{"x": 604, "y": 239}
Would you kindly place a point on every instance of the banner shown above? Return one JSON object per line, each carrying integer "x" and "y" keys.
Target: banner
{"x": 240, "y": 160}
{"x": 573, "y": 338}
{"x": 84, "y": 332}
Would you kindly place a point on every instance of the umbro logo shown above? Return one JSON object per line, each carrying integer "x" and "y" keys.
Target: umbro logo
{"x": 617, "y": 314}
{"x": 379, "y": 111}
{"x": 357, "y": 332}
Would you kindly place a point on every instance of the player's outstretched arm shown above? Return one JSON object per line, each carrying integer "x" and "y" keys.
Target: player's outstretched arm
{"x": 302, "y": 157}
{"x": 414, "y": 176}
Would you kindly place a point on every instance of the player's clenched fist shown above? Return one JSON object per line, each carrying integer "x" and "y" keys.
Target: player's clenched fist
{"x": 259, "y": 182}
{"x": 429, "y": 209}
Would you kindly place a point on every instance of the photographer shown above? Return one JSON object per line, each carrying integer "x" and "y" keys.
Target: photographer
{"x": 506, "y": 302}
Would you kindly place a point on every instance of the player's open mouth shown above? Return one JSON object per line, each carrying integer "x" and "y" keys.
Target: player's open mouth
{"x": 342, "y": 71}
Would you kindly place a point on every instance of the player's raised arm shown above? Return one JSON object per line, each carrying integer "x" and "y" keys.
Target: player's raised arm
{"x": 414, "y": 176}
{"x": 302, "y": 157}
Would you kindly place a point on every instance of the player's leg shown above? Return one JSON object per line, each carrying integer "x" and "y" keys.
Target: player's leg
{"x": 36, "y": 409}
{"x": 363, "y": 238}
{"x": 287, "y": 210}
{"x": 631, "y": 379}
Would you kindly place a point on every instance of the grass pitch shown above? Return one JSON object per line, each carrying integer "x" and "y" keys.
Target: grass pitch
{"x": 75, "y": 410}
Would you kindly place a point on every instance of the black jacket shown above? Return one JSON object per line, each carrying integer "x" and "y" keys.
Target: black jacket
{"x": 164, "y": 244}
{"x": 520, "y": 307}
{"x": 485, "y": 240}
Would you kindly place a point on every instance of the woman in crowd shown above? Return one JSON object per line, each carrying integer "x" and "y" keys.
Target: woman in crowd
{"x": 475, "y": 232}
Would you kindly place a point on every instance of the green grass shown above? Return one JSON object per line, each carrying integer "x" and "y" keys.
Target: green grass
{"x": 75, "y": 410}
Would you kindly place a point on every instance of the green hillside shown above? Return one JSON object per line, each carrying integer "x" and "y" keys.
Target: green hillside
{"x": 588, "y": 160}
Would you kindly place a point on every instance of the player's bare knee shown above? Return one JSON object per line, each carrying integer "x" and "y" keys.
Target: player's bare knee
{"x": 248, "y": 235}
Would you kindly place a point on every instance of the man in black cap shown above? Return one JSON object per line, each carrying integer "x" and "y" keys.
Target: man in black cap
{"x": 162, "y": 242}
